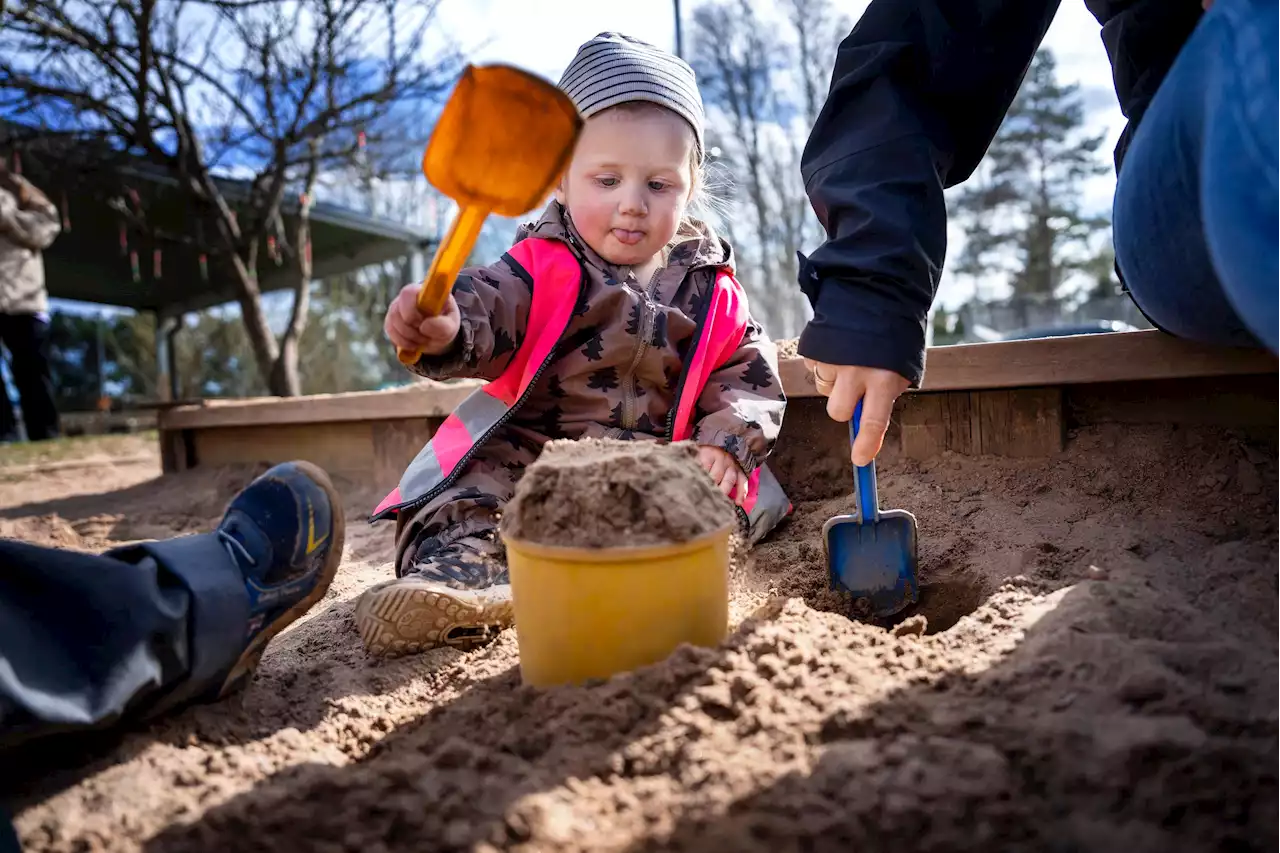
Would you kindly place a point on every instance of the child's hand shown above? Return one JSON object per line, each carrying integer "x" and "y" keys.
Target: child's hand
{"x": 725, "y": 471}
{"x": 410, "y": 329}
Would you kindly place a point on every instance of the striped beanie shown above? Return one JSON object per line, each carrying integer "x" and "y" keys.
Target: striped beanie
{"x": 614, "y": 69}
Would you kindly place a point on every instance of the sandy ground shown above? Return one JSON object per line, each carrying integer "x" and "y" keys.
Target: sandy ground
{"x": 1093, "y": 666}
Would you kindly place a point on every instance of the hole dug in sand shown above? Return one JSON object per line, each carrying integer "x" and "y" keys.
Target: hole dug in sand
{"x": 792, "y": 564}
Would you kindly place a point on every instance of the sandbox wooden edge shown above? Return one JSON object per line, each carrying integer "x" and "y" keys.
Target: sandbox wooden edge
{"x": 1018, "y": 398}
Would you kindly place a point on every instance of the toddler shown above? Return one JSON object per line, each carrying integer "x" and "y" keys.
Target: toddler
{"x": 616, "y": 315}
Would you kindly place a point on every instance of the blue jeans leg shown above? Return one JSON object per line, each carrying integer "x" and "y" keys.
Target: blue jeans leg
{"x": 1195, "y": 220}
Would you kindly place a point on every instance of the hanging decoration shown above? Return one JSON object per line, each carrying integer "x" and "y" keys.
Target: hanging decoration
{"x": 17, "y": 162}
{"x": 155, "y": 265}
{"x": 204, "y": 258}
{"x": 361, "y": 140}
{"x": 125, "y": 249}
{"x": 66, "y": 212}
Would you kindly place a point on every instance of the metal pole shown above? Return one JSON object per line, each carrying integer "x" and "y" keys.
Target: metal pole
{"x": 166, "y": 360}
{"x": 175, "y": 381}
{"x": 679, "y": 31}
{"x": 102, "y": 360}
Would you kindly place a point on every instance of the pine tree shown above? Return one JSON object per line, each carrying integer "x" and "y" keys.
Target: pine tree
{"x": 659, "y": 338}
{"x": 758, "y": 375}
{"x": 548, "y": 422}
{"x": 1021, "y": 211}
{"x": 502, "y": 344}
{"x": 593, "y": 349}
{"x": 604, "y": 379}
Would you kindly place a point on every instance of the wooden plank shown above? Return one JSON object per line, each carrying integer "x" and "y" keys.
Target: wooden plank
{"x": 395, "y": 444}
{"x": 339, "y": 448}
{"x": 1232, "y": 401}
{"x": 1023, "y": 422}
{"x": 416, "y": 401}
{"x": 932, "y": 423}
{"x": 1026, "y": 422}
{"x": 1080, "y": 359}
{"x": 797, "y": 381}
{"x": 924, "y": 432}
{"x": 1083, "y": 359}
{"x": 177, "y": 451}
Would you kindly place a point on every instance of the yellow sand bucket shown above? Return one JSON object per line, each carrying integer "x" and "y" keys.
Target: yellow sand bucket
{"x": 592, "y": 612}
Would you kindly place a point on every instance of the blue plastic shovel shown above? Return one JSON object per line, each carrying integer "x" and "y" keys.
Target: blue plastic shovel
{"x": 872, "y": 554}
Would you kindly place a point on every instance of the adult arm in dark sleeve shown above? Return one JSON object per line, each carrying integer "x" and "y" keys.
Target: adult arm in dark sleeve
{"x": 918, "y": 91}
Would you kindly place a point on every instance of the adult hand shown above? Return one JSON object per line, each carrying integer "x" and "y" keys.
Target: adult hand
{"x": 844, "y": 385}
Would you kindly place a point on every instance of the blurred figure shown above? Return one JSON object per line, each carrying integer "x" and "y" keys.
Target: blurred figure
{"x": 29, "y": 223}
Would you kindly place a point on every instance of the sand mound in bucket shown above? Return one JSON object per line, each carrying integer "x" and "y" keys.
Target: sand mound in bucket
{"x": 600, "y": 493}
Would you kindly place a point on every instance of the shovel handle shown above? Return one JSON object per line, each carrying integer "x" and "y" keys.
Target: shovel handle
{"x": 450, "y": 256}
{"x": 865, "y": 497}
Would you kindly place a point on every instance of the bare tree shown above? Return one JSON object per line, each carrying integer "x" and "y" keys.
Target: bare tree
{"x": 818, "y": 29}
{"x": 764, "y": 86}
{"x": 737, "y": 58}
{"x": 280, "y": 90}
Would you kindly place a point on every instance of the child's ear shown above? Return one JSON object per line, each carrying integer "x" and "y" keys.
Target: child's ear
{"x": 559, "y": 191}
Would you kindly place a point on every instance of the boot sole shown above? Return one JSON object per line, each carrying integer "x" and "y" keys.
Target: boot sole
{"x": 399, "y": 619}
{"x": 249, "y": 658}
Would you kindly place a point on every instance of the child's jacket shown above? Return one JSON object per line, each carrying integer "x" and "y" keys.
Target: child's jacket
{"x": 605, "y": 357}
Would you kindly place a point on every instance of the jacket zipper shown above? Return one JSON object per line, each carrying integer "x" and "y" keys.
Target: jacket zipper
{"x": 630, "y": 390}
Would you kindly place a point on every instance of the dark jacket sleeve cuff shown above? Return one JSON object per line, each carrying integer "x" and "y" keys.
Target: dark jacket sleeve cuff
{"x": 860, "y": 338}
{"x": 451, "y": 362}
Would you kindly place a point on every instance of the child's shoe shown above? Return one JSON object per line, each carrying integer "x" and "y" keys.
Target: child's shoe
{"x": 458, "y": 597}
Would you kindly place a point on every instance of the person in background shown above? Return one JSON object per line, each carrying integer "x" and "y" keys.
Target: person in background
{"x": 29, "y": 222}
{"x": 919, "y": 89}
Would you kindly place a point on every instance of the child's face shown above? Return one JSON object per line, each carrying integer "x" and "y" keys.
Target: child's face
{"x": 629, "y": 182}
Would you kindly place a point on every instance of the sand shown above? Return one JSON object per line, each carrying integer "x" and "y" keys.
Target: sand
{"x": 1092, "y": 667}
{"x": 601, "y": 494}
